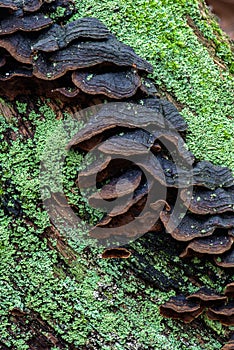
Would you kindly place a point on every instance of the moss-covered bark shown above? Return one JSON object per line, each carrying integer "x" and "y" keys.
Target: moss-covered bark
{"x": 59, "y": 294}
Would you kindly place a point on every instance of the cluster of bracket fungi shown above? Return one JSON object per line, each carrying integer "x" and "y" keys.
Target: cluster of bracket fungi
{"x": 72, "y": 58}
{"x": 81, "y": 60}
{"x": 218, "y": 307}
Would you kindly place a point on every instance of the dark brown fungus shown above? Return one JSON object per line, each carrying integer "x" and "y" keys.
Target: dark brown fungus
{"x": 121, "y": 146}
{"x": 85, "y": 54}
{"x": 229, "y": 345}
{"x": 205, "y": 201}
{"x": 172, "y": 115}
{"x": 192, "y": 226}
{"x": 19, "y": 46}
{"x": 8, "y": 72}
{"x": 100, "y": 170}
{"x": 163, "y": 170}
{"x": 2, "y": 61}
{"x": 148, "y": 87}
{"x": 120, "y": 186}
{"x": 25, "y": 5}
{"x": 57, "y": 37}
{"x": 175, "y": 176}
{"x": 206, "y": 295}
{"x": 223, "y": 313}
{"x": 85, "y": 178}
{"x": 212, "y": 176}
{"x": 167, "y": 109}
{"x": 138, "y": 196}
{"x": 11, "y": 4}
{"x": 180, "y": 308}
{"x": 112, "y": 253}
{"x": 145, "y": 130}
{"x": 174, "y": 144}
{"x": 229, "y": 290}
{"x": 67, "y": 92}
{"x": 140, "y": 136}
{"x": 17, "y": 312}
{"x": 158, "y": 205}
{"x": 111, "y": 116}
{"x": 226, "y": 260}
{"x": 116, "y": 85}
{"x": 33, "y": 5}
{"x": 209, "y": 245}
{"x": 27, "y": 23}
{"x": 125, "y": 225}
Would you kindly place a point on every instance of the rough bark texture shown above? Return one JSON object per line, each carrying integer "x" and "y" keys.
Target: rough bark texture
{"x": 58, "y": 293}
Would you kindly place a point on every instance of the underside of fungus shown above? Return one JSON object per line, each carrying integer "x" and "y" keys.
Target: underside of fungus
{"x": 144, "y": 176}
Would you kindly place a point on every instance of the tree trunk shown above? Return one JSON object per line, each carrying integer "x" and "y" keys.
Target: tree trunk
{"x": 57, "y": 293}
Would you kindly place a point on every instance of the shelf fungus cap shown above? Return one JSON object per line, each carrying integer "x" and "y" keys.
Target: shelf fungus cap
{"x": 167, "y": 109}
{"x": 133, "y": 226}
{"x": 119, "y": 186}
{"x": 206, "y": 295}
{"x": 9, "y": 71}
{"x": 57, "y": 37}
{"x": 229, "y": 290}
{"x": 209, "y": 245}
{"x": 116, "y": 85}
{"x": 229, "y": 345}
{"x": 205, "y": 201}
{"x": 29, "y": 23}
{"x": 194, "y": 226}
{"x": 113, "y": 253}
{"x": 87, "y": 54}
{"x": 223, "y": 313}
{"x": 123, "y": 206}
{"x": 171, "y": 113}
{"x": 25, "y": 5}
{"x": 67, "y": 92}
{"x": 19, "y": 47}
{"x": 212, "y": 176}
{"x": 114, "y": 115}
{"x": 226, "y": 260}
{"x": 180, "y": 308}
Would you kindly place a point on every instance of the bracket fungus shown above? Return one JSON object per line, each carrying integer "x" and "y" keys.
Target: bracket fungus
{"x": 226, "y": 260}
{"x": 208, "y": 245}
{"x": 181, "y": 308}
{"x": 207, "y": 296}
{"x": 229, "y": 290}
{"x": 85, "y": 54}
{"x": 113, "y": 253}
{"x": 229, "y": 345}
{"x": 116, "y": 85}
{"x": 205, "y": 201}
{"x": 57, "y": 37}
{"x": 25, "y": 5}
{"x": 144, "y": 162}
{"x": 27, "y": 23}
{"x": 223, "y": 313}
{"x": 217, "y": 307}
